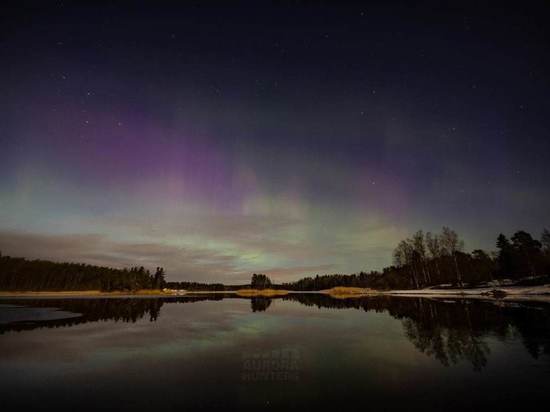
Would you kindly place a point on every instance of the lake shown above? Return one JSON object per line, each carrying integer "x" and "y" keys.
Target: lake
{"x": 303, "y": 351}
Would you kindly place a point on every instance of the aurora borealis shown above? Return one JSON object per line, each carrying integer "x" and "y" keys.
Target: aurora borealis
{"x": 286, "y": 139}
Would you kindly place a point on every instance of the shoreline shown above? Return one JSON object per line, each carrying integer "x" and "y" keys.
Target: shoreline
{"x": 538, "y": 293}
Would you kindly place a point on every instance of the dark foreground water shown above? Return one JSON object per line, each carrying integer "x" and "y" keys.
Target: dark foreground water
{"x": 305, "y": 352}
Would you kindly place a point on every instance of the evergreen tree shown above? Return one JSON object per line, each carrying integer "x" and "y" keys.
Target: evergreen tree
{"x": 159, "y": 280}
{"x": 505, "y": 257}
{"x": 528, "y": 251}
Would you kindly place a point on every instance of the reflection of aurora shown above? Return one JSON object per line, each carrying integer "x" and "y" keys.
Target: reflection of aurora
{"x": 449, "y": 331}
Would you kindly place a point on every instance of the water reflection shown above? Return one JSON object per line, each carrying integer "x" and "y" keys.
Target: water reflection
{"x": 454, "y": 329}
{"x": 259, "y": 304}
{"x": 94, "y": 310}
{"x": 450, "y": 330}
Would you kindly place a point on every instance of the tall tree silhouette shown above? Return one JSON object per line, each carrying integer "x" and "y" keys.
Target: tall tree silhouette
{"x": 260, "y": 281}
{"x": 159, "y": 280}
{"x": 451, "y": 245}
{"x": 528, "y": 251}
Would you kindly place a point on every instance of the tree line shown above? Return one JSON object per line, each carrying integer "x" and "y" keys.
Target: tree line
{"x": 20, "y": 274}
{"x": 428, "y": 259}
{"x": 257, "y": 281}
{"x": 422, "y": 260}
{"x": 204, "y": 287}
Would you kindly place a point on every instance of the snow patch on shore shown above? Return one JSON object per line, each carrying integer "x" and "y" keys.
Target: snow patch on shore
{"x": 541, "y": 292}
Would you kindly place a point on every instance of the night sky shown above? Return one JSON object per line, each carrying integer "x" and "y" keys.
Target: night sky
{"x": 290, "y": 139}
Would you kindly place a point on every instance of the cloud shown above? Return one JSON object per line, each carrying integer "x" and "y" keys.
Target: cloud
{"x": 214, "y": 247}
{"x": 181, "y": 263}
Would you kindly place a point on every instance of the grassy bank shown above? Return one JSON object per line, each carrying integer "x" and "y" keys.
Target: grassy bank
{"x": 347, "y": 292}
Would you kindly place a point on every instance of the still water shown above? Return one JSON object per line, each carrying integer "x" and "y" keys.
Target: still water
{"x": 298, "y": 352}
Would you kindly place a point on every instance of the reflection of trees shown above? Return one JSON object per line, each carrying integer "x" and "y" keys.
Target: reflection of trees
{"x": 259, "y": 304}
{"x": 457, "y": 330}
{"x": 448, "y": 330}
{"x": 454, "y": 329}
{"x": 534, "y": 328}
{"x": 446, "y": 345}
{"x": 97, "y": 309}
